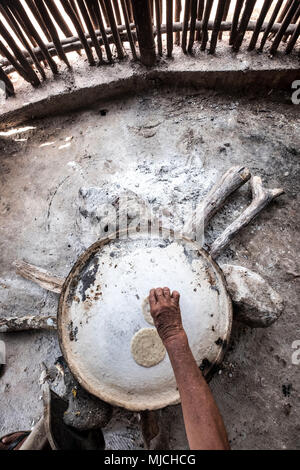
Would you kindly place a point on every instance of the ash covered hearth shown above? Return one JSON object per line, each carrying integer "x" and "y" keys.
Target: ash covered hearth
{"x": 172, "y": 168}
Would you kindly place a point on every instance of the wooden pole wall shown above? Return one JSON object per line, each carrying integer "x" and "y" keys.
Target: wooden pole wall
{"x": 145, "y": 30}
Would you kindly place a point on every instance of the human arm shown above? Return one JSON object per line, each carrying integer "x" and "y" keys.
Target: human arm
{"x": 203, "y": 422}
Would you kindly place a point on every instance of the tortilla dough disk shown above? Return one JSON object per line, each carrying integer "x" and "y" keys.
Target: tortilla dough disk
{"x": 147, "y": 348}
{"x": 146, "y": 311}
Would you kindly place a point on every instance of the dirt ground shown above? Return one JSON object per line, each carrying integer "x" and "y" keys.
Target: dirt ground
{"x": 169, "y": 147}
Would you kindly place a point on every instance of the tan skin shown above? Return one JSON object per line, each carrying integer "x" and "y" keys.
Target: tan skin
{"x": 203, "y": 422}
{"x": 7, "y": 440}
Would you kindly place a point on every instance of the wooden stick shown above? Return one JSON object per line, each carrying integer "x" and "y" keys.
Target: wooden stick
{"x": 39, "y": 18}
{"x": 158, "y": 26}
{"x": 53, "y": 32}
{"x": 94, "y": 6}
{"x": 20, "y": 13}
{"x": 261, "y": 198}
{"x": 128, "y": 29}
{"x": 129, "y": 9}
{"x": 37, "y": 439}
{"x": 74, "y": 6}
{"x": 293, "y": 9}
{"x": 55, "y": 12}
{"x": 73, "y": 17}
{"x": 71, "y": 46}
{"x": 204, "y": 28}
{"x": 28, "y": 73}
{"x": 73, "y": 43}
{"x": 177, "y": 14}
{"x": 235, "y": 20}
{"x": 293, "y": 39}
{"x": 249, "y": 7}
{"x": 224, "y": 18}
{"x": 265, "y": 8}
{"x": 270, "y": 24}
{"x": 192, "y": 24}
{"x": 151, "y": 3}
{"x": 87, "y": 20}
{"x": 103, "y": 8}
{"x": 169, "y": 25}
{"x": 284, "y": 11}
{"x": 199, "y": 18}
{"x": 144, "y": 29}
{"x": 15, "y": 25}
{"x": 32, "y": 322}
{"x": 39, "y": 276}
{"x": 294, "y": 20}
{"x": 15, "y": 64}
{"x": 186, "y": 18}
{"x": 117, "y": 11}
{"x": 233, "y": 179}
{"x": 114, "y": 28}
{"x": 217, "y": 24}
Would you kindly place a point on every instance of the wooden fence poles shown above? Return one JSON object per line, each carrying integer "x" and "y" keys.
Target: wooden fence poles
{"x": 144, "y": 29}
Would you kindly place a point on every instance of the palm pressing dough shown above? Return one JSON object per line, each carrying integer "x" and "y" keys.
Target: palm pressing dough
{"x": 147, "y": 348}
{"x": 146, "y": 311}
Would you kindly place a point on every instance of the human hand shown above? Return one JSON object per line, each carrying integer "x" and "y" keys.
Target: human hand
{"x": 165, "y": 311}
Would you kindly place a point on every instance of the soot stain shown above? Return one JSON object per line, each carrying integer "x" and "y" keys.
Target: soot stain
{"x": 88, "y": 277}
{"x": 221, "y": 342}
{"x": 286, "y": 389}
{"x": 72, "y": 331}
{"x": 204, "y": 364}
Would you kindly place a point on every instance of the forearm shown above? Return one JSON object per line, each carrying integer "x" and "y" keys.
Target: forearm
{"x": 204, "y": 425}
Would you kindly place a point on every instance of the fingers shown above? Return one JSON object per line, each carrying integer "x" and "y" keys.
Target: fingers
{"x": 175, "y": 297}
{"x": 159, "y": 293}
{"x": 167, "y": 292}
{"x": 163, "y": 293}
{"x": 152, "y": 298}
